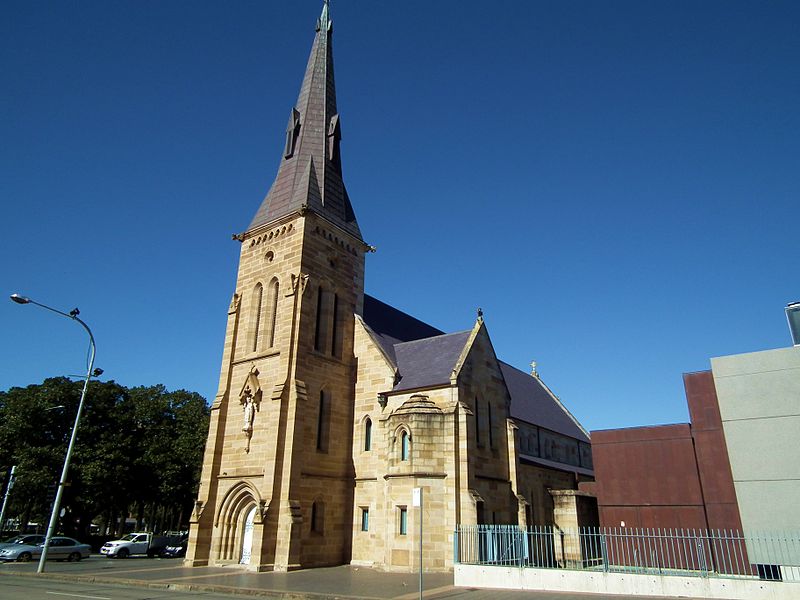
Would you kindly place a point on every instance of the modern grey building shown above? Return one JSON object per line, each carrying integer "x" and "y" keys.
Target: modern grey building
{"x": 759, "y": 401}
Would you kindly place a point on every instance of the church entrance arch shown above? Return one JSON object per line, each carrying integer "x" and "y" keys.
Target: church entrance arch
{"x": 236, "y": 523}
{"x": 247, "y": 537}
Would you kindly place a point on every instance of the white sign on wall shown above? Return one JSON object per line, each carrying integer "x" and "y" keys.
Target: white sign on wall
{"x": 416, "y": 498}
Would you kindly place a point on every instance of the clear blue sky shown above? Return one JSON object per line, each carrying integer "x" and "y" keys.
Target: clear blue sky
{"x": 616, "y": 184}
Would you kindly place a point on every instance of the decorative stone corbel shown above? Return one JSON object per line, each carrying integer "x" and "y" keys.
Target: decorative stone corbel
{"x": 263, "y": 507}
{"x": 234, "y": 305}
{"x": 383, "y": 400}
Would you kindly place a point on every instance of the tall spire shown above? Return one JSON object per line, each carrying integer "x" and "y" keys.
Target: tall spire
{"x": 310, "y": 172}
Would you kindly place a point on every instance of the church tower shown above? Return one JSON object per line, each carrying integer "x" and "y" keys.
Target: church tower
{"x": 277, "y": 485}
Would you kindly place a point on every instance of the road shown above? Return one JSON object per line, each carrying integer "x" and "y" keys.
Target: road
{"x": 32, "y": 588}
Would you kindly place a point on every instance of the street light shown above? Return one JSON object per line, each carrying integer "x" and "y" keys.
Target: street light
{"x": 73, "y": 314}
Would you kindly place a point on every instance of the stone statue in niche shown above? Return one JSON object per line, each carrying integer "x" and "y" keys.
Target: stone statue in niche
{"x": 250, "y": 399}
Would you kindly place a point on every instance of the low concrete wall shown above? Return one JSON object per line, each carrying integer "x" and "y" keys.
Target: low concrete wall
{"x": 562, "y": 580}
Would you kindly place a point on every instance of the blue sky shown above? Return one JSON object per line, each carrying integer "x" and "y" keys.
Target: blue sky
{"x": 614, "y": 183}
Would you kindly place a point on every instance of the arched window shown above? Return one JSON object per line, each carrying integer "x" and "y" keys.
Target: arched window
{"x": 489, "y": 423}
{"x": 274, "y": 289}
{"x": 318, "y": 336}
{"x": 318, "y": 517}
{"x": 478, "y": 422}
{"x": 258, "y": 297}
{"x": 405, "y": 445}
{"x": 323, "y": 421}
{"x": 335, "y": 327}
{"x": 368, "y": 435}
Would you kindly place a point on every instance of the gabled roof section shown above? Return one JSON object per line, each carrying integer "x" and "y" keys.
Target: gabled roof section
{"x": 429, "y": 362}
{"x": 310, "y": 172}
{"x": 425, "y": 357}
{"x": 390, "y": 326}
{"x": 533, "y": 402}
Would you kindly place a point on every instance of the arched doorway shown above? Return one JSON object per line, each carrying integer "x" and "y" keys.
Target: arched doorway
{"x": 247, "y": 537}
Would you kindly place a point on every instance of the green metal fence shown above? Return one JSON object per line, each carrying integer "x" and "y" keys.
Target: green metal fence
{"x": 684, "y": 552}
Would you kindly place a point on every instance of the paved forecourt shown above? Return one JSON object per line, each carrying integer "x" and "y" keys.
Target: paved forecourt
{"x": 345, "y": 582}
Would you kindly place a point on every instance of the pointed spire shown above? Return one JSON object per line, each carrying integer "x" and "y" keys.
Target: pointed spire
{"x": 324, "y": 21}
{"x": 310, "y": 172}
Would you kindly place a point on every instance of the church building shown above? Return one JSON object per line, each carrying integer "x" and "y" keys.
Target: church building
{"x": 333, "y": 406}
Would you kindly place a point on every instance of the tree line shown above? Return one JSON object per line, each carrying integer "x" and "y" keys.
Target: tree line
{"x": 138, "y": 454}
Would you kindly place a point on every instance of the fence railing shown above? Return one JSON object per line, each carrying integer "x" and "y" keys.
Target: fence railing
{"x": 685, "y": 552}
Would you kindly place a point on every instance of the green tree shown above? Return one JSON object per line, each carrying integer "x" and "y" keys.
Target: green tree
{"x": 138, "y": 451}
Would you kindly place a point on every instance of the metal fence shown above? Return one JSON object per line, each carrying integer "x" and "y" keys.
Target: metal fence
{"x": 685, "y": 552}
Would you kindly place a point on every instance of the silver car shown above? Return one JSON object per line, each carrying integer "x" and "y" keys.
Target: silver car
{"x": 31, "y": 539}
{"x": 61, "y": 548}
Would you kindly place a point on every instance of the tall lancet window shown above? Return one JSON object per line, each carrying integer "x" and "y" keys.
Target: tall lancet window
{"x": 367, "y": 434}
{"x": 258, "y": 298}
{"x": 323, "y": 421}
{"x": 489, "y": 423}
{"x": 274, "y": 289}
{"x": 335, "y": 327}
{"x": 405, "y": 446}
{"x": 318, "y": 334}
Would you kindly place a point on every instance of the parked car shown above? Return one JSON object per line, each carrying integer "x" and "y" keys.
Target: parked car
{"x": 176, "y": 548}
{"x": 23, "y": 539}
{"x": 135, "y": 543}
{"x": 61, "y": 548}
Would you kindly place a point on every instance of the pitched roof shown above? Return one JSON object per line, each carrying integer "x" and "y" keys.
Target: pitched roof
{"x": 425, "y": 357}
{"x": 531, "y": 401}
{"x": 391, "y": 326}
{"x": 310, "y": 172}
{"x": 428, "y": 362}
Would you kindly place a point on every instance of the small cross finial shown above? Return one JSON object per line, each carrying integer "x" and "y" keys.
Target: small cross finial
{"x": 480, "y": 314}
{"x": 534, "y": 372}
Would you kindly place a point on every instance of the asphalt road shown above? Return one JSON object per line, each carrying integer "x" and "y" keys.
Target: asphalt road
{"x": 31, "y": 588}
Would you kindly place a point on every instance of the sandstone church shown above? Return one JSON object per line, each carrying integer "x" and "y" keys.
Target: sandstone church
{"x": 333, "y": 406}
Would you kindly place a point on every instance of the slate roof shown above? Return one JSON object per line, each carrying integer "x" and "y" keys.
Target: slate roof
{"x": 428, "y": 362}
{"x": 425, "y": 357}
{"x": 531, "y": 401}
{"x": 391, "y": 326}
{"x": 310, "y": 172}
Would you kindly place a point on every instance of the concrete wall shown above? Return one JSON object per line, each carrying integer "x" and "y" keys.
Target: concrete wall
{"x": 591, "y": 582}
{"x": 759, "y": 401}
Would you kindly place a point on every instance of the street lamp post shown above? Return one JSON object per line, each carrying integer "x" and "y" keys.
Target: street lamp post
{"x": 73, "y": 314}
{"x": 9, "y": 485}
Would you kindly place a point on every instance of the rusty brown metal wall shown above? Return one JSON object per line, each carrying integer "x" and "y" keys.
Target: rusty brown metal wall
{"x": 668, "y": 476}
{"x": 712, "y": 454}
{"x": 647, "y": 477}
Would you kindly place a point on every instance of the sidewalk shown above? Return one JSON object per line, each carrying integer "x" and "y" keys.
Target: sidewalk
{"x": 340, "y": 583}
